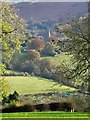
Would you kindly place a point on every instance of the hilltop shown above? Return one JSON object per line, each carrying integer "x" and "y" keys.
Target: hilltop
{"x": 42, "y": 11}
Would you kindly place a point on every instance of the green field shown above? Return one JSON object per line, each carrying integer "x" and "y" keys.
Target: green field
{"x": 34, "y": 85}
{"x": 47, "y": 115}
{"x": 59, "y": 59}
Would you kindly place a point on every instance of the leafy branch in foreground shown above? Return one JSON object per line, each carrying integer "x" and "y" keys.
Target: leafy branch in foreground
{"x": 13, "y": 32}
{"x": 11, "y": 38}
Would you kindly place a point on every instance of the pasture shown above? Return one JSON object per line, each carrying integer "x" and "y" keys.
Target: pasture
{"x": 34, "y": 85}
{"x": 59, "y": 59}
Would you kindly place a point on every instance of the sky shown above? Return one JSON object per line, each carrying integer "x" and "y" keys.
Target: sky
{"x": 46, "y": 0}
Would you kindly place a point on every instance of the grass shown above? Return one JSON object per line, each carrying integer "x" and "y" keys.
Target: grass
{"x": 34, "y": 85}
{"x": 46, "y": 115}
{"x": 45, "y": 118}
{"x": 59, "y": 59}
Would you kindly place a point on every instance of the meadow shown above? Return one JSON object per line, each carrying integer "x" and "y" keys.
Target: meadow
{"x": 59, "y": 59}
{"x": 34, "y": 85}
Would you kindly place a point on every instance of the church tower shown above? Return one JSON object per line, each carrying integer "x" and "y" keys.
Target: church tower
{"x": 49, "y": 33}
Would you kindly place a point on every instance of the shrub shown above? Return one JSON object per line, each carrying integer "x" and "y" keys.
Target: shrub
{"x": 17, "y": 59}
{"x": 9, "y": 109}
{"x": 33, "y": 55}
{"x": 5, "y": 100}
{"x": 54, "y": 106}
{"x": 14, "y": 96}
{"x": 37, "y": 71}
{"x": 41, "y": 107}
{"x": 46, "y": 63}
{"x": 78, "y": 103}
{"x": 66, "y": 106}
{"x": 60, "y": 106}
{"x": 87, "y": 109}
{"x": 46, "y": 73}
{"x": 49, "y": 49}
{"x": 28, "y": 108}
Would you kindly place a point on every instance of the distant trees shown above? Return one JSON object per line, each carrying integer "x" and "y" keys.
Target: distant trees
{"x": 33, "y": 55}
{"x": 49, "y": 49}
{"x": 46, "y": 68}
{"x": 37, "y": 44}
{"x": 30, "y": 62}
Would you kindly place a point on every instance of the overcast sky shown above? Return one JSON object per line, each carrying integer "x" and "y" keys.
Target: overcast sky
{"x": 46, "y": 0}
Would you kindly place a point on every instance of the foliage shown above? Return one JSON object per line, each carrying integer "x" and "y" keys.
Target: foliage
{"x": 11, "y": 98}
{"x": 79, "y": 102}
{"x": 18, "y": 59}
{"x": 49, "y": 49}
{"x": 79, "y": 46}
{"x": 37, "y": 70}
{"x": 11, "y": 37}
{"x": 45, "y": 63}
{"x": 46, "y": 73}
{"x": 25, "y": 62}
{"x": 46, "y": 68}
{"x": 37, "y": 44}
{"x": 3, "y": 83}
{"x": 33, "y": 55}
{"x": 4, "y": 87}
{"x": 30, "y": 62}
{"x": 13, "y": 28}
{"x": 14, "y": 96}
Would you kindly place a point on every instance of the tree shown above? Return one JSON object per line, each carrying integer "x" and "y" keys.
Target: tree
{"x": 37, "y": 44}
{"x": 36, "y": 70}
{"x": 13, "y": 27}
{"x": 3, "y": 82}
{"x": 11, "y": 37}
{"x": 46, "y": 73}
{"x": 33, "y": 55}
{"x": 79, "y": 46}
{"x": 49, "y": 49}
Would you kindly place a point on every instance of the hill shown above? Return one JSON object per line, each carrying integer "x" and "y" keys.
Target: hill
{"x": 41, "y": 11}
{"x": 34, "y": 85}
{"x": 59, "y": 59}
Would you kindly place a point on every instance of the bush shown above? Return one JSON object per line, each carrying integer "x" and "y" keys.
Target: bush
{"x": 14, "y": 96}
{"x": 41, "y": 107}
{"x": 46, "y": 63}
{"x": 37, "y": 71}
{"x": 10, "y": 109}
{"x": 28, "y": 108}
{"x": 46, "y": 68}
{"x": 33, "y": 55}
{"x": 63, "y": 106}
{"x": 15, "y": 74}
{"x": 54, "y": 106}
{"x": 46, "y": 73}
{"x": 78, "y": 103}
{"x": 49, "y": 49}
{"x": 17, "y": 59}
{"x": 5, "y": 100}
